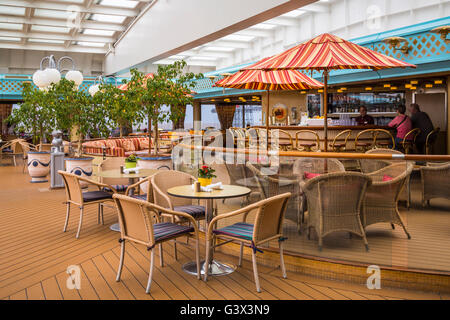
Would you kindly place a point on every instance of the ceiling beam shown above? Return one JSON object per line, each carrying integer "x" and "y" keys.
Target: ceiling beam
{"x": 62, "y": 6}
{"x": 50, "y": 47}
{"x": 56, "y": 36}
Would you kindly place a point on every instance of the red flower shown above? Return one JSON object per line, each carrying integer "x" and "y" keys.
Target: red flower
{"x": 205, "y": 167}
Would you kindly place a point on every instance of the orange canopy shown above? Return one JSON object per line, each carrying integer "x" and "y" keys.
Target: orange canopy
{"x": 269, "y": 80}
{"x": 147, "y": 76}
{"x": 329, "y": 52}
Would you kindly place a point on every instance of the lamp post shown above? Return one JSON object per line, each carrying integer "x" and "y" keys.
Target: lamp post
{"x": 43, "y": 78}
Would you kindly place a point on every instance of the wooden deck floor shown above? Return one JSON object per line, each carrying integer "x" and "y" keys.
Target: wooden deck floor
{"x": 35, "y": 253}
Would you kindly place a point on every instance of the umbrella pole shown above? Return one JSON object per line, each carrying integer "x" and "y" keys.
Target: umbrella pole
{"x": 325, "y": 109}
{"x": 267, "y": 120}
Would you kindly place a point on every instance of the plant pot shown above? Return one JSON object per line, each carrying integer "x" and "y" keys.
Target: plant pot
{"x": 156, "y": 162}
{"x": 38, "y": 166}
{"x": 81, "y": 167}
{"x": 204, "y": 182}
{"x": 129, "y": 165}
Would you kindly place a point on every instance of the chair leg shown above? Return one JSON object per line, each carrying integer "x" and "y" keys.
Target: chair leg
{"x": 197, "y": 258}
{"x": 283, "y": 268}
{"x": 392, "y": 226}
{"x": 14, "y": 160}
{"x": 161, "y": 259}
{"x": 255, "y": 272}
{"x": 98, "y": 213}
{"x": 122, "y": 256}
{"x": 101, "y": 214}
{"x": 175, "y": 253}
{"x": 67, "y": 217}
{"x": 207, "y": 258}
{"x": 81, "y": 221}
{"x": 240, "y": 254}
{"x": 150, "y": 275}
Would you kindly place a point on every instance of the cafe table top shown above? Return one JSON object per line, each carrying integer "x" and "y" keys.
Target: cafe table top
{"x": 143, "y": 173}
{"x": 228, "y": 191}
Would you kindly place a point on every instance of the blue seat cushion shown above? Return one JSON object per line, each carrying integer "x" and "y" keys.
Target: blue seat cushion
{"x": 140, "y": 196}
{"x": 96, "y": 195}
{"x": 239, "y": 230}
{"x": 195, "y": 211}
{"x": 118, "y": 187}
{"x": 168, "y": 230}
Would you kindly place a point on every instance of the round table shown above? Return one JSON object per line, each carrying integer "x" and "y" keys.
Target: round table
{"x": 132, "y": 178}
{"x": 216, "y": 268}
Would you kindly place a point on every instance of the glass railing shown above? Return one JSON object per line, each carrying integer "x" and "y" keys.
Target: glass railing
{"x": 382, "y": 208}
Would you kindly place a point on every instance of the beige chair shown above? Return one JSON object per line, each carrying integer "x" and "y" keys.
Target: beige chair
{"x": 339, "y": 143}
{"x": 384, "y": 139}
{"x": 335, "y": 204}
{"x": 307, "y": 140}
{"x": 140, "y": 223}
{"x": 81, "y": 199}
{"x": 18, "y": 148}
{"x": 371, "y": 165}
{"x": 315, "y": 166}
{"x": 410, "y": 140}
{"x": 241, "y": 175}
{"x": 114, "y": 163}
{"x": 431, "y": 140}
{"x": 44, "y": 147}
{"x": 267, "y": 226}
{"x": 365, "y": 140}
{"x": 435, "y": 179}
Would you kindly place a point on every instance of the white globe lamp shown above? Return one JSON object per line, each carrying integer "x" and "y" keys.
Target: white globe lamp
{"x": 53, "y": 75}
{"x": 75, "y": 76}
{"x": 93, "y": 89}
{"x": 40, "y": 79}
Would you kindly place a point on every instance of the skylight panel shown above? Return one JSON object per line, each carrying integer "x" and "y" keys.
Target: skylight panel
{"x": 15, "y": 11}
{"x": 90, "y": 44}
{"x": 45, "y": 13}
{"x": 264, "y": 26}
{"x": 11, "y": 26}
{"x": 197, "y": 58}
{"x": 9, "y": 39}
{"x": 49, "y": 29}
{"x": 95, "y": 32}
{"x": 46, "y": 41}
{"x": 107, "y": 18}
{"x": 119, "y": 3}
{"x": 237, "y": 37}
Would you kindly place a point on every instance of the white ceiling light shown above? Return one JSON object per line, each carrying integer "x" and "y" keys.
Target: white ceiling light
{"x": 15, "y": 11}
{"x": 53, "y": 75}
{"x": 90, "y": 44}
{"x": 13, "y": 39}
{"x": 119, "y": 3}
{"x": 40, "y": 79}
{"x": 220, "y": 49}
{"x": 49, "y": 29}
{"x": 75, "y": 76}
{"x": 108, "y": 18}
{"x": 46, "y": 41}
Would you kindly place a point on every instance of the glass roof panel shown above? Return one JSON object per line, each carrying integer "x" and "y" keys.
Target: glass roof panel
{"x": 12, "y": 39}
{"x": 90, "y": 44}
{"x": 46, "y": 41}
{"x": 11, "y": 26}
{"x": 15, "y": 11}
{"x": 119, "y": 3}
{"x": 219, "y": 49}
{"x": 96, "y": 32}
{"x": 52, "y": 13}
{"x": 50, "y": 29}
{"x": 107, "y": 18}
{"x": 264, "y": 26}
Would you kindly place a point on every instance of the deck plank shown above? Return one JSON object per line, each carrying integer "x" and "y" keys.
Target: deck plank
{"x": 35, "y": 292}
{"x": 51, "y": 289}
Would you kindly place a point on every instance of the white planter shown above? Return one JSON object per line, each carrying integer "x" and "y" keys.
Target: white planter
{"x": 81, "y": 167}
{"x": 156, "y": 162}
{"x": 38, "y": 166}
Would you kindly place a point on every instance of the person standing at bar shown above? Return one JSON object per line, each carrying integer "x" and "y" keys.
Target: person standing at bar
{"x": 364, "y": 119}
{"x": 403, "y": 125}
{"x": 422, "y": 121}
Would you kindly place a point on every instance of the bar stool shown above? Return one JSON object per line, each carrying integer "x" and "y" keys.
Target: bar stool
{"x": 285, "y": 142}
{"x": 365, "y": 146}
{"x": 337, "y": 146}
{"x": 384, "y": 144}
{"x": 431, "y": 139}
{"x": 410, "y": 140}
{"x": 307, "y": 146}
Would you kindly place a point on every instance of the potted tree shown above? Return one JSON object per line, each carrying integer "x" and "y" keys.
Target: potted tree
{"x": 78, "y": 112}
{"x": 35, "y": 115}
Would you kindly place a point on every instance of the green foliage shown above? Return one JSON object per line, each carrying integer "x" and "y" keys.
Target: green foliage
{"x": 131, "y": 158}
{"x": 206, "y": 172}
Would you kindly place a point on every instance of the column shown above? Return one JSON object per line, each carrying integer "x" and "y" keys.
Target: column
{"x": 197, "y": 107}
{"x": 448, "y": 115}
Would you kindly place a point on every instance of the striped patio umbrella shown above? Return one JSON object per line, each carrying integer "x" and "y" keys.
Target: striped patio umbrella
{"x": 124, "y": 86}
{"x": 328, "y": 52}
{"x": 270, "y": 81}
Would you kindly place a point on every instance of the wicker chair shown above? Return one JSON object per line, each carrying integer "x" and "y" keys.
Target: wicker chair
{"x": 366, "y": 135}
{"x": 267, "y": 226}
{"x": 19, "y": 147}
{"x": 381, "y": 201}
{"x": 81, "y": 199}
{"x": 337, "y": 145}
{"x": 371, "y": 165}
{"x": 241, "y": 175}
{"x": 140, "y": 223}
{"x": 282, "y": 139}
{"x": 435, "y": 181}
{"x": 384, "y": 139}
{"x": 311, "y": 141}
{"x": 410, "y": 140}
{"x": 114, "y": 163}
{"x": 335, "y": 202}
{"x": 282, "y": 180}
{"x": 431, "y": 139}
{"x": 312, "y": 165}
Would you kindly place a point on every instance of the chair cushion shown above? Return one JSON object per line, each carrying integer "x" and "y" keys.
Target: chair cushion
{"x": 167, "y": 230}
{"x": 387, "y": 178}
{"x": 140, "y": 196}
{"x": 309, "y": 175}
{"x": 239, "y": 230}
{"x": 195, "y": 211}
{"x": 118, "y": 187}
{"x": 96, "y": 195}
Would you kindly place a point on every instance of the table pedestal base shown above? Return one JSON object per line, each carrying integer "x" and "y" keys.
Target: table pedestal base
{"x": 115, "y": 227}
{"x": 216, "y": 268}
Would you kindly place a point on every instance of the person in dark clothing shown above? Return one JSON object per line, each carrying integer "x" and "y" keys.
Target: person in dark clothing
{"x": 422, "y": 121}
{"x": 364, "y": 119}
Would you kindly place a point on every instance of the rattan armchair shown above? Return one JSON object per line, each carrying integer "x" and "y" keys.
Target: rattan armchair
{"x": 435, "y": 181}
{"x": 241, "y": 175}
{"x": 140, "y": 223}
{"x": 431, "y": 139}
{"x": 339, "y": 143}
{"x": 381, "y": 201}
{"x": 281, "y": 139}
{"x": 312, "y": 165}
{"x": 81, "y": 199}
{"x": 410, "y": 140}
{"x": 335, "y": 202}
{"x": 371, "y": 165}
{"x": 114, "y": 163}
{"x": 267, "y": 226}
{"x": 311, "y": 141}
{"x": 365, "y": 140}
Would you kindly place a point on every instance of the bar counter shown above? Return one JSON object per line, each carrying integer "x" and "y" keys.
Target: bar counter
{"x": 333, "y": 131}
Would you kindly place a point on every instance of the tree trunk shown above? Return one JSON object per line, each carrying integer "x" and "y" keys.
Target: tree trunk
{"x": 121, "y": 130}
{"x": 155, "y": 126}
{"x": 149, "y": 132}
{"x": 80, "y": 145}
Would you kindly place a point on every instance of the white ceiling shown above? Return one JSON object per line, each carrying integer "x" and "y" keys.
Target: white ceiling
{"x": 66, "y": 25}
